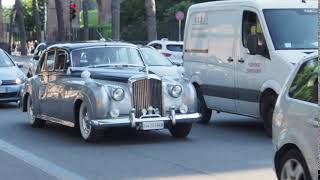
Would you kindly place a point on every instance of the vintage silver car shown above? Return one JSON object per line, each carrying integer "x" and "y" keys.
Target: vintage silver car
{"x": 94, "y": 86}
{"x": 11, "y": 79}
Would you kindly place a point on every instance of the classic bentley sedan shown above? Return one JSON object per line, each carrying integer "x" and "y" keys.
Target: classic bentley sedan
{"x": 95, "y": 86}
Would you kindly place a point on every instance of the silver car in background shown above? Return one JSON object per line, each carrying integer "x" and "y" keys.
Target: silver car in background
{"x": 11, "y": 79}
{"x": 296, "y": 127}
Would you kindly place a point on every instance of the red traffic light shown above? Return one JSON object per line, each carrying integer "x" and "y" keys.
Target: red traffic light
{"x": 73, "y": 6}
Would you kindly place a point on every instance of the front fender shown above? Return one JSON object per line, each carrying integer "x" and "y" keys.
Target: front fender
{"x": 271, "y": 84}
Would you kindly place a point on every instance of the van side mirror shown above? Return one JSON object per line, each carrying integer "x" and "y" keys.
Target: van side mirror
{"x": 252, "y": 44}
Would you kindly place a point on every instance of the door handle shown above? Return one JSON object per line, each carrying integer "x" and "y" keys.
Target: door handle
{"x": 230, "y": 59}
{"x": 241, "y": 60}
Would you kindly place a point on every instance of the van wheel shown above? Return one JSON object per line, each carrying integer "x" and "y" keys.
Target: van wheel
{"x": 267, "y": 109}
{"x": 293, "y": 166}
{"x": 202, "y": 108}
{"x": 180, "y": 130}
{"x": 88, "y": 133}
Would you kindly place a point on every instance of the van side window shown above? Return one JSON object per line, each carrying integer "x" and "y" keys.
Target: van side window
{"x": 305, "y": 84}
{"x": 251, "y": 26}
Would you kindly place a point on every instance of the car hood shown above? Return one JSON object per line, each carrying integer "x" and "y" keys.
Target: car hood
{"x": 294, "y": 56}
{"x": 10, "y": 73}
{"x": 163, "y": 71}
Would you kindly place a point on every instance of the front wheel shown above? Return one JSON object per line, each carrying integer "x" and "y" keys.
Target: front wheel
{"x": 34, "y": 122}
{"x": 87, "y": 132}
{"x": 202, "y": 108}
{"x": 180, "y": 130}
{"x": 293, "y": 167}
{"x": 268, "y": 104}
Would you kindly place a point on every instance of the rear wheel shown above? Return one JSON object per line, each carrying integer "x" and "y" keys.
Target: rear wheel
{"x": 34, "y": 122}
{"x": 293, "y": 167}
{"x": 202, "y": 108}
{"x": 87, "y": 132}
{"x": 267, "y": 109}
{"x": 180, "y": 130}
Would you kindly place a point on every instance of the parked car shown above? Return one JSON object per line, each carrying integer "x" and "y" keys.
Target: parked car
{"x": 11, "y": 79}
{"x": 159, "y": 64}
{"x": 94, "y": 86}
{"x": 296, "y": 124}
{"x": 171, "y": 49}
{"x": 238, "y": 54}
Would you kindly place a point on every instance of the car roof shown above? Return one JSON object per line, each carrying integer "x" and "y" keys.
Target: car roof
{"x": 167, "y": 42}
{"x": 259, "y": 4}
{"x": 72, "y": 46}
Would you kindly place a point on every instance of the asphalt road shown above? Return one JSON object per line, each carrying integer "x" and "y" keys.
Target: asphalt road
{"x": 230, "y": 147}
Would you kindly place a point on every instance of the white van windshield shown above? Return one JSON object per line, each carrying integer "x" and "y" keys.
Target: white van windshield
{"x": 292, "y": 29}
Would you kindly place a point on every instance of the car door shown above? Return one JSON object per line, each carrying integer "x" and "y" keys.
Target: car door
{"x": 219, "y": 88}
{"x": 57, "y": 79}
{"x": 251, "y": 69}
{"x": 303, "y": 111}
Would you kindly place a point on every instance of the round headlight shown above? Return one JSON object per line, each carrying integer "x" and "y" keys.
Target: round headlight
{"x": 118, "y": 94}
{"x": 176, "y": 91}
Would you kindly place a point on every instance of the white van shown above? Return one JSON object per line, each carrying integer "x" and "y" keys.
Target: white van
{"x": 238, "y": 53}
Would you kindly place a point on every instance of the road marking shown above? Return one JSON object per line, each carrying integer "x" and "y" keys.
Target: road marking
{"x": 37, "y": 162}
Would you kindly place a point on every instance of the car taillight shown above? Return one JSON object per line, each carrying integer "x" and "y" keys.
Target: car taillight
{"x": 167, "y": 54}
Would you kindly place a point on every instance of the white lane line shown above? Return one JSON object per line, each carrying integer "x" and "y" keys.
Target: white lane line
{"x": 37, "y": 162}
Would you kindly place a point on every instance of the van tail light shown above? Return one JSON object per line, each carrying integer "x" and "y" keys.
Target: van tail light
{"x": 167, "y": 54}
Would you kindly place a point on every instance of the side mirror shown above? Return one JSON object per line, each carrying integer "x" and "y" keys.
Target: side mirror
{"x": 252, "y": 44}
{"x": 20, "y": 65}
{"x": 36, "y": 57}
{"x": 177, "y": 63}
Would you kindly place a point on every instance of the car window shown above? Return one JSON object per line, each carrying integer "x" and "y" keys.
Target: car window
{"x": 48, "y": 65}
{"x": 251, "y": 26}
{"x": 305, "y": 85}
{"x": 156, "y": 46}
{"x": 105, "y": 56}
{"x": 154, "y": 58}
{"x": 61, "y": 60}
{"x": 5, "y": 61}
{"x": 175, "y": 47}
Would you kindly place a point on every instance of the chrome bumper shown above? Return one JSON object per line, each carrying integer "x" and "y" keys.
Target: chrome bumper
{"x": 131, "y": 121}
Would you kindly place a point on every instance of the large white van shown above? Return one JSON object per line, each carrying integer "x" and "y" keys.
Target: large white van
{"x": 238, "y": 53}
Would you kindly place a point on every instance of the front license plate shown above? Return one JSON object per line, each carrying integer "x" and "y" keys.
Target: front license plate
{"x": 152, "y": 125}
{"x": 3, "y": 90}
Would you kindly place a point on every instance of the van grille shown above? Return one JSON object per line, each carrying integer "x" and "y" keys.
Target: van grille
{"x": 146, "y": 93}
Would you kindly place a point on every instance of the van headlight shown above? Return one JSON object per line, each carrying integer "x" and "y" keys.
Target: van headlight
{"x": 176, "y": 91}
{"x": 118, "y": 94}
{"x": 19, "y": 81}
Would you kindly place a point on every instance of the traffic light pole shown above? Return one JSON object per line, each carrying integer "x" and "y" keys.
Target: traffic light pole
{"x": 70, "y": 22}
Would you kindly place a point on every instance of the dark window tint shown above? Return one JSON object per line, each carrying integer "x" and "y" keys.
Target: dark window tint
{"x": 305, "y": 84}
{"x": 157, "y": 46}
{"x": 175, "y": 47}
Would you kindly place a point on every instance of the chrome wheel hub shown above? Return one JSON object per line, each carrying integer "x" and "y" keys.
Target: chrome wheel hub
{"x": 292, "y": 170}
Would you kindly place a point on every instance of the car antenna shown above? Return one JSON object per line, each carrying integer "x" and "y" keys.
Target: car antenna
{"x": 101, "y": 37}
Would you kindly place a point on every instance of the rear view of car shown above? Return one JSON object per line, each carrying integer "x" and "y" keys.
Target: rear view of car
{"x": 11, "y": 79}
{"x": 296, "y": 125}
{"x": 171, "y": 49}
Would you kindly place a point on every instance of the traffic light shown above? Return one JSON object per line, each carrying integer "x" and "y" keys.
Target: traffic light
{"x": 73, "y": 10}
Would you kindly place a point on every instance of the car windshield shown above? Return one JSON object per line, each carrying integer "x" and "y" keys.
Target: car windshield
{"x": 5, "y": 61}
{"x": 154, "y": 58}
{"x": 106, "y": 56}
{"x": 175, "y": 47}
{"x": 292, "y": 29}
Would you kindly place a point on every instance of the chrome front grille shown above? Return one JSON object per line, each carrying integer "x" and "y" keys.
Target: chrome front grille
{"x": 147, "y": 93}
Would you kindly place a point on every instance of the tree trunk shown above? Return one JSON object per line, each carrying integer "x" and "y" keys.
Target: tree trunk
{"x": 103, "y": 11}
{"x": 37, "y": 21}
{"x": 13, "y": 12}
{"x": 61, "y": 28}
{"x": 115, "y": 8}
{"x": 2, "y": 30}
{"x": 151, "y": 19}
{"x": 85, "y": 7}
{"x": 20, "y": 22}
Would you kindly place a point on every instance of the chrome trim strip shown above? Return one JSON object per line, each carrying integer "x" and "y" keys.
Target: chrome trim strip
{"x": 56, "y": 120}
